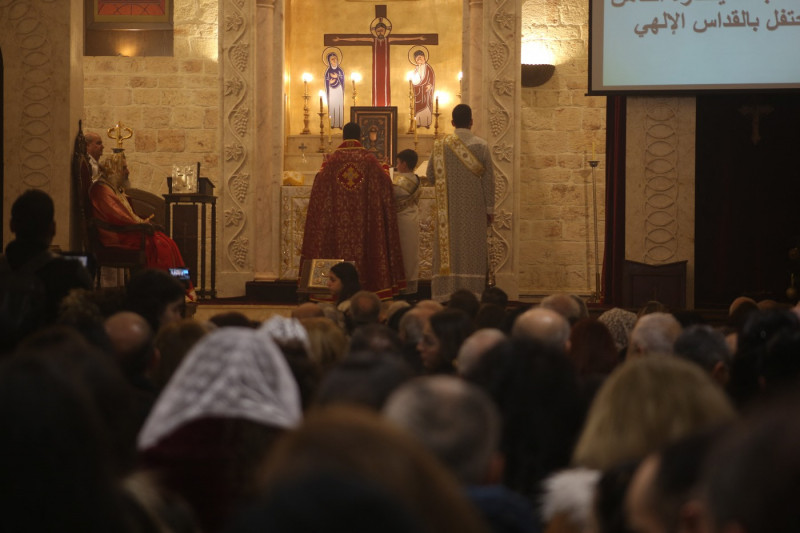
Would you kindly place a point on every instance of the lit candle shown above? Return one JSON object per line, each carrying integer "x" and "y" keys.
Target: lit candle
{"x": 437, "y": 103}
{"x": 320, "y": 104}
{"x": 306, "y": 79}
{"x": 594, "y": 157}
{"x": 355, "y": 77}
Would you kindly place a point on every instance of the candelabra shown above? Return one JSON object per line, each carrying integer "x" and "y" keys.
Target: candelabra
{"x": 321, "y": 131}
{"x": 411, "y": 120}
{"x": 436, "y": 119}
{"x": 597, "y": 297}
{"x": 306, "y": 99}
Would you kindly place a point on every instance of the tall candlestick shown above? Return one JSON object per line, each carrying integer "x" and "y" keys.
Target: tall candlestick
{"x": 412, "y": 126}
{"x": 355, "y": 77}
{"x": 306, "y": 98}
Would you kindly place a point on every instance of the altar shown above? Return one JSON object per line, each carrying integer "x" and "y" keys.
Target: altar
{"x": 294, "y": 205}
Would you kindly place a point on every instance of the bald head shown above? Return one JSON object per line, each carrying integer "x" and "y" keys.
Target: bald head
{"x": 475, "y": 346}
{"x": 738, "y": 302}
{"x": 94, "y": 145}
{"x": 543, "y": 325}
{"x": 308, "y": 310}
{"x": 131, "y": 340}
{"x": 431, "y": 305}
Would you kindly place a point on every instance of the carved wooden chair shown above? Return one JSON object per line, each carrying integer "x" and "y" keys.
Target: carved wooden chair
{"x": 103, "y": 256}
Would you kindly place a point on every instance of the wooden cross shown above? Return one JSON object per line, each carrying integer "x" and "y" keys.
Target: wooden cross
{"x": 380, "y": 39}
{"x": 756, "y": 111}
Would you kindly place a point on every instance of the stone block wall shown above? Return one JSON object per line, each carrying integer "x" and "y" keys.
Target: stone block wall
{"x": 560, "y": 127}
{"x": 171, "y": 103}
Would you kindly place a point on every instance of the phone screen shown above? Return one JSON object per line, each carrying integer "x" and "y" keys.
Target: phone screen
{"x": 84, "y": 259}
{"x": 179, "y": 273}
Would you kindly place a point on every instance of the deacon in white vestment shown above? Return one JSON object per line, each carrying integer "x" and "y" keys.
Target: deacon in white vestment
{"x": 407, "y": 191}
{"x": 461, "y": 172}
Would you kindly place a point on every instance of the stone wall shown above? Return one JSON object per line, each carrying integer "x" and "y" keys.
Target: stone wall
{"x": 560, "y": 126}
{"x": 171, "y": 103}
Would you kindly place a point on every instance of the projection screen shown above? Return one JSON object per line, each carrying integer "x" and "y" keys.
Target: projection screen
{"x": 668, "y": 46}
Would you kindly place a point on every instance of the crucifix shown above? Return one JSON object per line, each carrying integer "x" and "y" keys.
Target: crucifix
{"x": 379, "y": 38}
{"x": 756, "y": 111}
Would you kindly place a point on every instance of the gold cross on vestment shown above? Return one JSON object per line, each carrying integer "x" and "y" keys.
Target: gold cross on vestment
{"x": 118, "y": 133}
{"x": 351, "y": 176}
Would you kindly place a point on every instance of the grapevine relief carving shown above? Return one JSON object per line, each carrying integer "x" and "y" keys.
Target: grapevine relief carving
{"x": 239, "y": 183}
{"x": 235, "y": 68}
{"x": 501, "y": 125}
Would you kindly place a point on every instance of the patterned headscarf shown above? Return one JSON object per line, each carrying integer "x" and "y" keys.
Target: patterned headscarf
{"x": 286, "y": 332}
{"x": 231, "y": 372}
{"x": 620, "y": 323}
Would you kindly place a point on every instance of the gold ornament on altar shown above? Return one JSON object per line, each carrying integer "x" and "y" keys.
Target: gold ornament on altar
{"x": 120, "y": 133}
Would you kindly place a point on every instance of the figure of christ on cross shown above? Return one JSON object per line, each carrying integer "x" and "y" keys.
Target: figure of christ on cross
{"x": 380, "y": 40}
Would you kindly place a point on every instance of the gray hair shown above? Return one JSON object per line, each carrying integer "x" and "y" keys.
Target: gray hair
{"x": 453, "y": 419}
{"x": 655, "y": 333}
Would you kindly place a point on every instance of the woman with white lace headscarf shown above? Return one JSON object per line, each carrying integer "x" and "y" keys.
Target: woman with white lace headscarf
{"x": 232, "y": 396}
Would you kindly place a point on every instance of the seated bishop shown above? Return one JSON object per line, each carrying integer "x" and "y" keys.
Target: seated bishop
{"x": 110, "y": 204}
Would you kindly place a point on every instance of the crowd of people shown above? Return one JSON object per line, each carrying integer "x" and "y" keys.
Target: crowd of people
{"x": 367, "y": 415}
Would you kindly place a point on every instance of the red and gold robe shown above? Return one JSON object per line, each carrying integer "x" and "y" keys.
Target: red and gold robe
{"x": 112, "y": 207}
{"x": 352, "y": 216}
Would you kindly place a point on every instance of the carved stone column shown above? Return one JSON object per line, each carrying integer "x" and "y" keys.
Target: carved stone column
{"x": 268, "y": 138}
{"x": 42, "y": 44}
{"x": 235, "y": 255}
{"x": 492, "y": 63}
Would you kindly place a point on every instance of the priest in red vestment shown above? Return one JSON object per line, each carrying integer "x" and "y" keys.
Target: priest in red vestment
{"x": 352, "y": 216}
{"x": 109, "y": 204}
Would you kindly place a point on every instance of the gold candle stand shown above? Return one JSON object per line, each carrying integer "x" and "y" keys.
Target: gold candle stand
{"x": 306, "y": 98}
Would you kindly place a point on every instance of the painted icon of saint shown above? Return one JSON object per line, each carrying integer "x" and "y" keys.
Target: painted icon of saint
{"x": 424, "y": 81}
{"x": 334, "y": 86}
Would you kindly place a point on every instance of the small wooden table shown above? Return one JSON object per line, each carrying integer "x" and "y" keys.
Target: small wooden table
{"x": 181, "y": 222}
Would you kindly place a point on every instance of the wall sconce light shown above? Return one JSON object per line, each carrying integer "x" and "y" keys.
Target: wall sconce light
{"x": 535, "y": 75}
